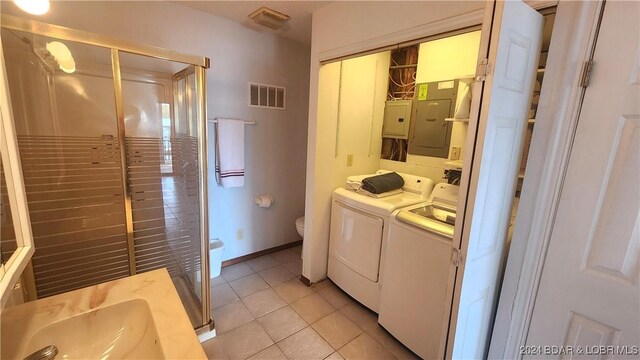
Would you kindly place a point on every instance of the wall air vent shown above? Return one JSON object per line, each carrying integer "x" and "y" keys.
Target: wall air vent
{"x": 267, "y": 96}
{"x": 270, "y": 18}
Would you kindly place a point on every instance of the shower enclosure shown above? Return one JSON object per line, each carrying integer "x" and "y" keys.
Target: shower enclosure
{"x": 111, "y": 137}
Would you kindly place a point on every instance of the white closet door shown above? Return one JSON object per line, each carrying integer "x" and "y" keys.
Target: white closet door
{"x": 589, "y": 294}
{"x": 513, "y": 59}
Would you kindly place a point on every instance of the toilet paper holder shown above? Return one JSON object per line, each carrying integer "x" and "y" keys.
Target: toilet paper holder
{"x": 263, "y": 201}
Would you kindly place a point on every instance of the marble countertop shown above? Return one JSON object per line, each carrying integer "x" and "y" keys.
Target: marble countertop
{"x": 175, "y": 334}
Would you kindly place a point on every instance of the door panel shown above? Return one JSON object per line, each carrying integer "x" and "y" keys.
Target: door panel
{"x": 356, "y": 240}
{"x": 618, "y": 259}
{"x": 514, "y": 49}
{"x": 502, "y": 138}
{"x": 589, "y": 293}
{"x": 430, "y": 128}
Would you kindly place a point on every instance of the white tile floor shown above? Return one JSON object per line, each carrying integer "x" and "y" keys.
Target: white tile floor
{"x": 263, "y": 311}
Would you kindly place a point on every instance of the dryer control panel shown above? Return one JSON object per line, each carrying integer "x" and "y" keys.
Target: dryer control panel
{"x": 415, "y": 184}
{"x": 445, "y": 194}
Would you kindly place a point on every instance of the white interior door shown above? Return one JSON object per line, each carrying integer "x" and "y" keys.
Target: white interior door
{"x": 589, "y": 293}
{"x": 513, "y": 60}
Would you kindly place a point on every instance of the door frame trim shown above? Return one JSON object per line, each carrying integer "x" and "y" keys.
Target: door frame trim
{"x": 556, "y": 121}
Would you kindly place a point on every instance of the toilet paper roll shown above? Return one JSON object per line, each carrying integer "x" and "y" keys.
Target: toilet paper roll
{"x": 263, "y": 201}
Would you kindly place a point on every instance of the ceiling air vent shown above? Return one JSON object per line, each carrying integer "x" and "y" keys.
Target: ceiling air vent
{"x": 267, "y": 96}
{"x": 270, "y": 18}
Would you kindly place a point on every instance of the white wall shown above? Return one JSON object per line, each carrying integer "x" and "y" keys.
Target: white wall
{"x": 275, "y": 147}
{"x": 343, "y": 28}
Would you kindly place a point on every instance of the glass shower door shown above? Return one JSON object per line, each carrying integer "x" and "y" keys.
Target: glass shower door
{"x": 160, "y": 121}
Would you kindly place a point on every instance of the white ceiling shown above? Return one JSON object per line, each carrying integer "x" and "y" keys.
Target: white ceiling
{"x": 297, "y": 28}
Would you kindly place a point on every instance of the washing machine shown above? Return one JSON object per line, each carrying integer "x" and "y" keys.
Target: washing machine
{"x": 358, "y": 235}
{"x": 419, "y": 273}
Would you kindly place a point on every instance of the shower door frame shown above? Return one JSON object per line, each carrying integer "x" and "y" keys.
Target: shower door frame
{"x": 200, "y": 64}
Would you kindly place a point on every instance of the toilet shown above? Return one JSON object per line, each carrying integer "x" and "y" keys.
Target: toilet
{"x": 300, "y": 225}
{"x": 300, "y": 228}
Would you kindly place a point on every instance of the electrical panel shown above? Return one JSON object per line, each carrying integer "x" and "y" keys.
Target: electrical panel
{"x": 397, "y": 117}
{"x": 430, "y": 133}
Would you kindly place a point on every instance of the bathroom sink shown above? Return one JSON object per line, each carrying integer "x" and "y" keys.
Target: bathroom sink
{"x": 137, "y": 317}
{"x": 121, "y": 331}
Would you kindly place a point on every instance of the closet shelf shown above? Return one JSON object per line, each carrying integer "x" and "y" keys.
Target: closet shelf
{"x": 456, "y": 120}
{"x": 454, "y": 163}
{"x": 403, "y": 66}
{"x": 530, "y": 121}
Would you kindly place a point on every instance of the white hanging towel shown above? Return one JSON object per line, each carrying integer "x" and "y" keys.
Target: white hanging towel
{"x": 229, "y": 152}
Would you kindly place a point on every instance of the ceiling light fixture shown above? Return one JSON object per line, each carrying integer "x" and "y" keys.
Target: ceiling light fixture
{"x": 35, "y": 7}
{"x": 268, "y": 17}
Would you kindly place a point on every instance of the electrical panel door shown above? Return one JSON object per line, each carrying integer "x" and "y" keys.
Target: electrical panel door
{"x": 397, "y": 116}
{"x": 430, "y": 129}
{"x": 430, "y": 132}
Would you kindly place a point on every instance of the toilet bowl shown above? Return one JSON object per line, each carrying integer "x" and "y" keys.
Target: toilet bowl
{"x": 300, "y": 225}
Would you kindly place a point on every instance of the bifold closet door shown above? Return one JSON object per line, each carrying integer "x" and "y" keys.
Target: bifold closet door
{"x": 506, "y": 97}
{"x": 62, "y": 95}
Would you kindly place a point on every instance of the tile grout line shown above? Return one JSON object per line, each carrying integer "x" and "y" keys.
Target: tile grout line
{"x": 304, "y": 328}
{"x": 271, "y": 337}
{"x": 364, "y": 331}
{"x": 309, "y": 325}
{"x": 272, "y": 268}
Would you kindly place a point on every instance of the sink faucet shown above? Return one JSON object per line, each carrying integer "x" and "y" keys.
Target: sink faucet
{"x": 46, "y": 353}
